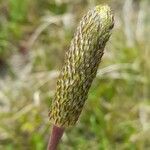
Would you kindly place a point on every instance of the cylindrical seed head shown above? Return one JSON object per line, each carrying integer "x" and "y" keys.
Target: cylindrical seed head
{"x": 80, "y": 66}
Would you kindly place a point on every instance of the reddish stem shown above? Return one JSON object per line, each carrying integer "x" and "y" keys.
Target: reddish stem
{"x": 56, "y": 135}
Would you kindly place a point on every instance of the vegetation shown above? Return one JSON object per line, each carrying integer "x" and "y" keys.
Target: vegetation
{"x": 34, "y": 36}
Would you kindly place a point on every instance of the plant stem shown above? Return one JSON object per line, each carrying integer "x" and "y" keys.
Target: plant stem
{"x": 55, "y": 137}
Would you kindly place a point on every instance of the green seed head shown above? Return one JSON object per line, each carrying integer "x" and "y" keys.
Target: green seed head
{"x": 80, "y": 67}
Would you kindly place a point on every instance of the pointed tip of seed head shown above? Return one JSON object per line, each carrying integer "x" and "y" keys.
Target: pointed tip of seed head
{"x": 106, "y": 15}
{"x": 103, "y": 8}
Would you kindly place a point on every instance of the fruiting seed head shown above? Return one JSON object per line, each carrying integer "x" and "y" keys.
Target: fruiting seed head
{"x": 80, "y": 66}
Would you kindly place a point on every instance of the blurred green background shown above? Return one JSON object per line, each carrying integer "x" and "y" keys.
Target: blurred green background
{"x": 34, "y": 35}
